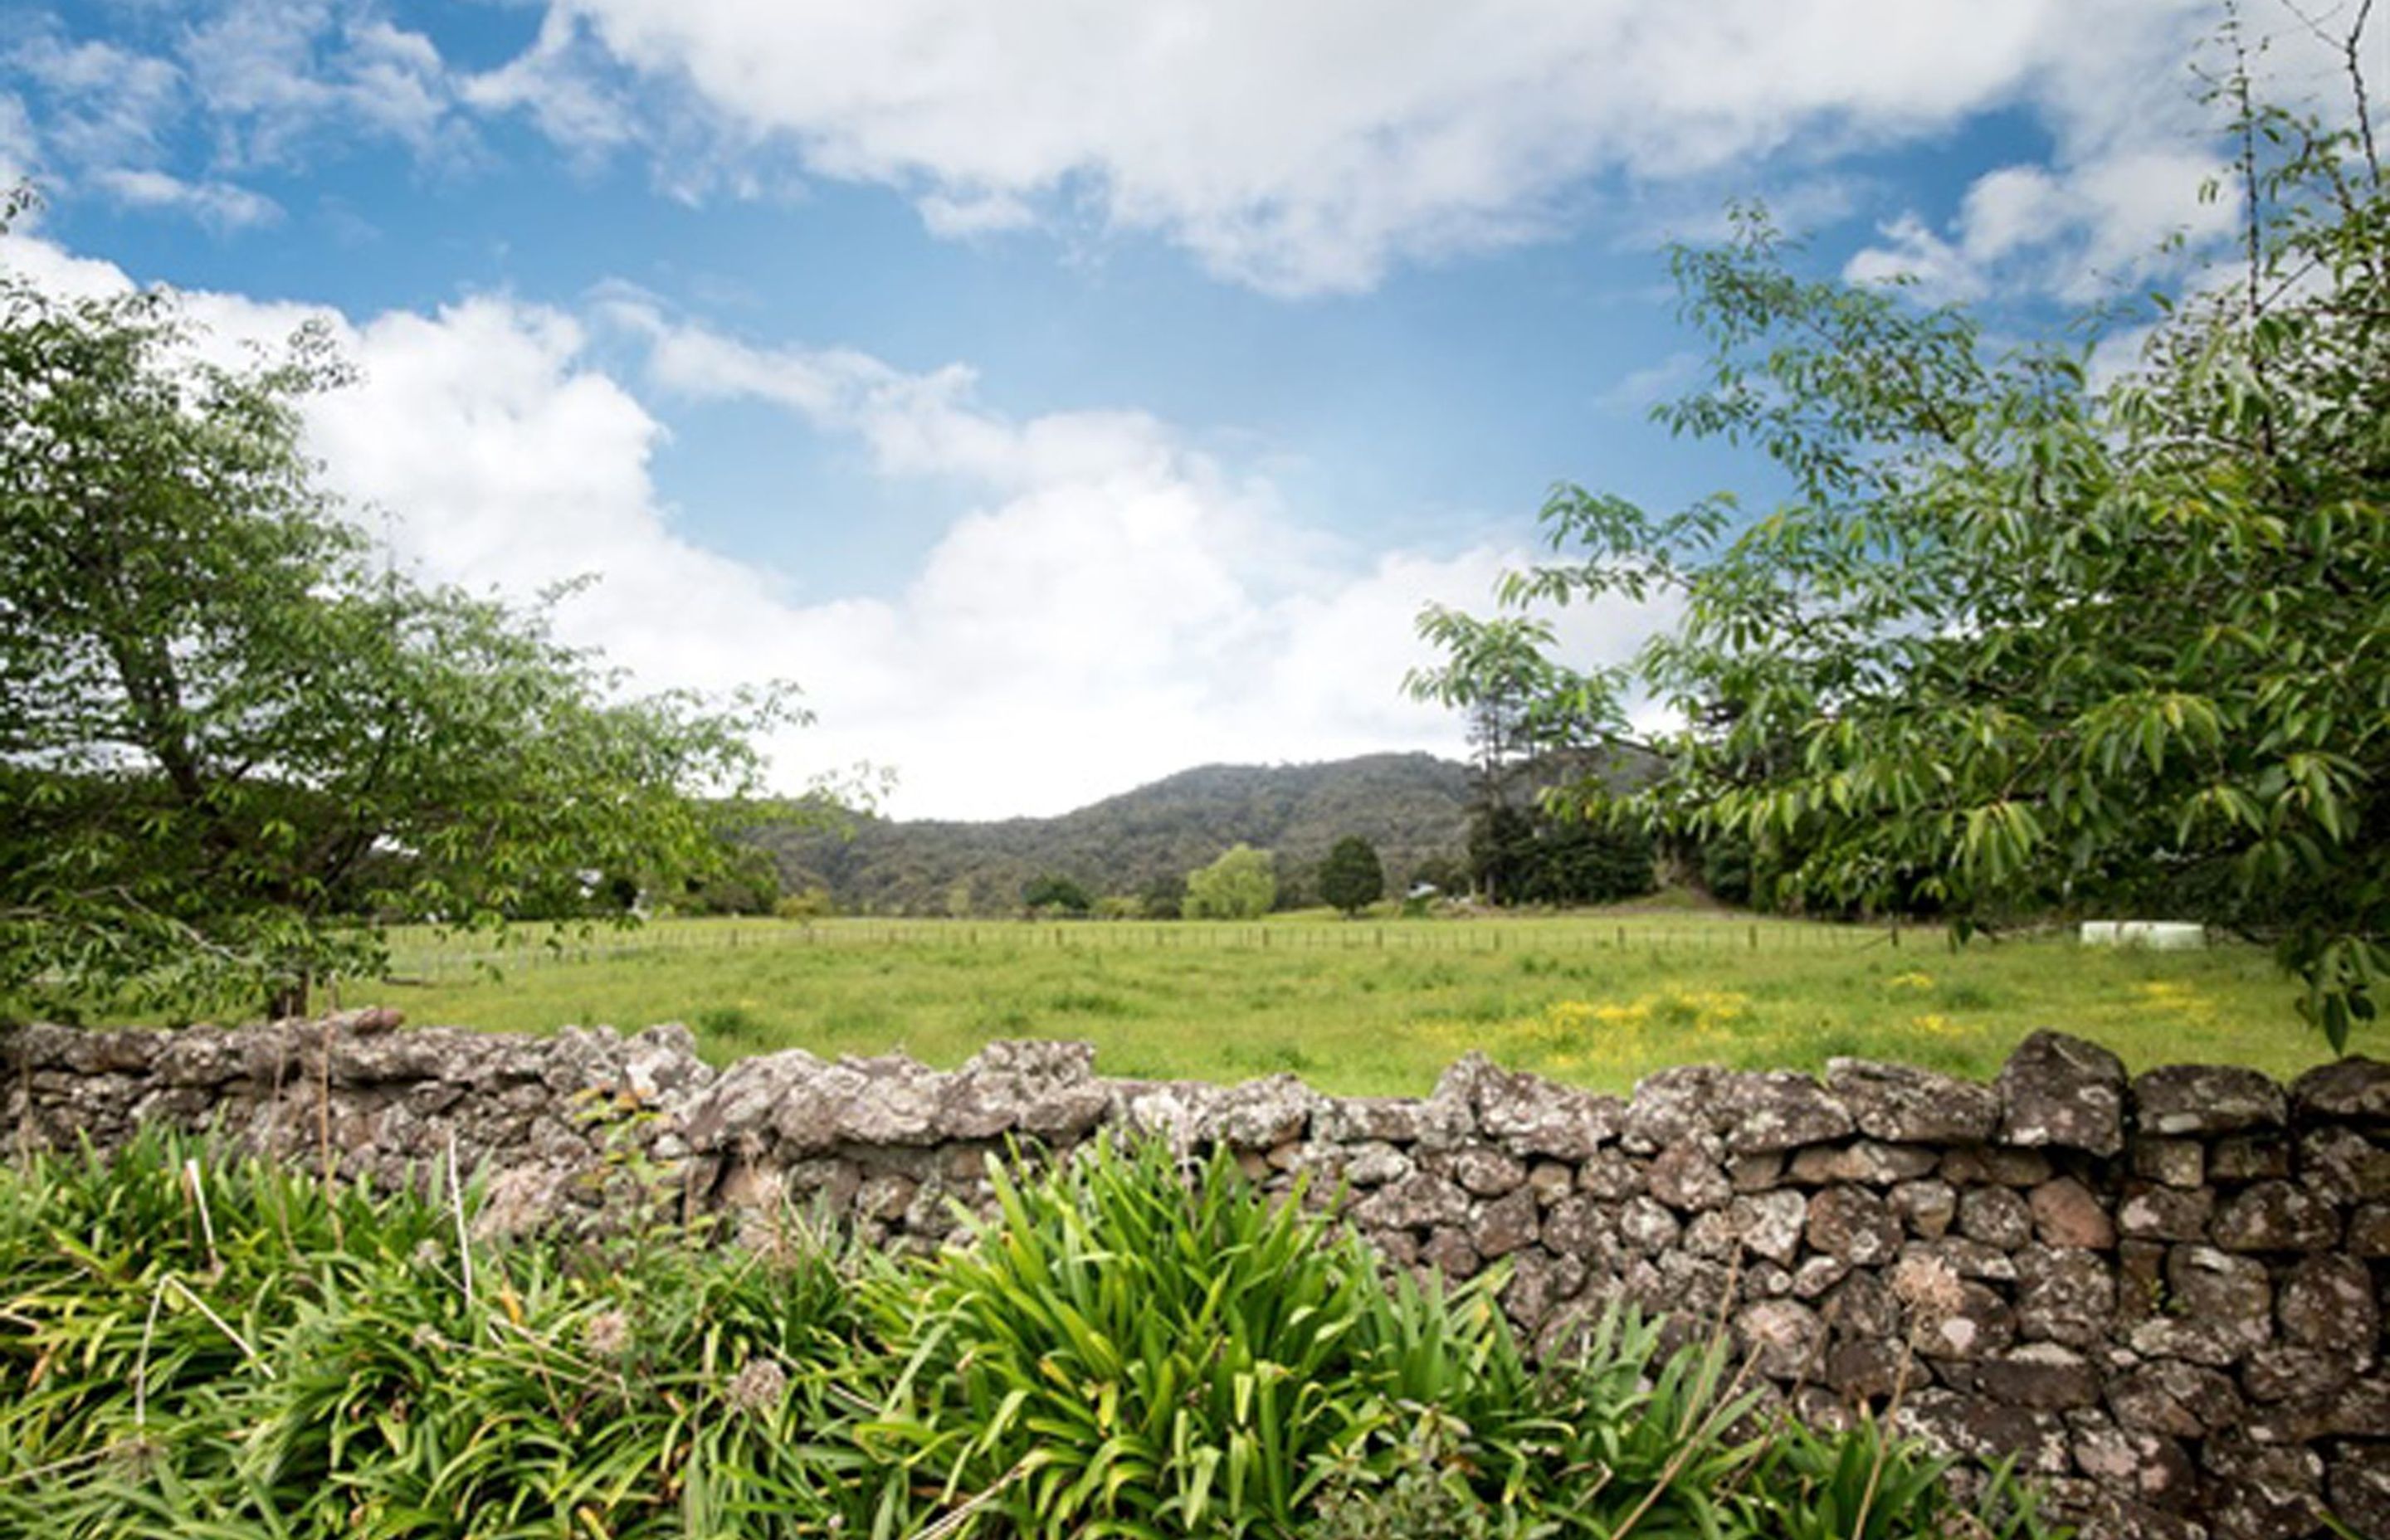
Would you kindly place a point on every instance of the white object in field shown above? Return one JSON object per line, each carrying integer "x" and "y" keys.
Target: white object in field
{"x": 2158, "y": 935}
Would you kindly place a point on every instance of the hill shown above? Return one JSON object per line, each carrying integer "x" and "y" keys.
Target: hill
{"x": 1413, "y": 807}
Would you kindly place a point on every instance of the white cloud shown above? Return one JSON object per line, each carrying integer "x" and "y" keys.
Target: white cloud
{"x": 221, "y": 204}
{"x": 1306, "y": 148}
{"x": 2080, "y": 234}
{"x": 1108, "y": 605}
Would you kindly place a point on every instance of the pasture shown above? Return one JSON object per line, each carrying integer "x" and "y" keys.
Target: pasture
{"x": 1372, "y": 1008}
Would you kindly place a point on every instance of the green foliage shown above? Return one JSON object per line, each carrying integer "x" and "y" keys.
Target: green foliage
{"x": 1561, "y": 858}
{"x": 811, "y": 904}
{"x": 1054, "y": 893}
{"x": 233, "y": 744}
{"x": 2016, "y": 642}
{"x": 748, "y": 882}
{"x": 1352, "y": 878}
{"x": 1242, "y": 884}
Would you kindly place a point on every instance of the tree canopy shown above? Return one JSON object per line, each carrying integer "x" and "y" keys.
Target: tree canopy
{"x": 234, "y": 743}
{"x": 1352, "y": 878}
{"x": 1242, "y": 884}
{"x": 2017, "y": 641}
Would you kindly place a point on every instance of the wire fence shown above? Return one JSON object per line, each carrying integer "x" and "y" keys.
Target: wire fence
{"x": 431, "y": 959}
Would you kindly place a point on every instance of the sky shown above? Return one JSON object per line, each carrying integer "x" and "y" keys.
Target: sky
{"x": 1066, "y": 392}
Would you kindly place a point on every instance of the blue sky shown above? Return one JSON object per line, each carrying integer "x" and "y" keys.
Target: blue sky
{"x": 1062, "y": 394}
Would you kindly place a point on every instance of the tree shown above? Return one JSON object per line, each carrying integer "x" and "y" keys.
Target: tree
{"x": 1241, "y": 885}
{"x": 1054, "y": 893}
{"x": 234, "y": 747}
{"x": 2014, "y": 641}
{"x": 1352, "y": 878}
{"x": 1519, "y": 703}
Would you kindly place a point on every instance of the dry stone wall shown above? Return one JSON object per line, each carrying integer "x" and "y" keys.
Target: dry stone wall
{"x": 2162, "y": 1296}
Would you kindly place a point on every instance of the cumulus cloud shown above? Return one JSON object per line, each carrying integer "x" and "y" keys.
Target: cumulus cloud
{"x": 221, "y": 204}
{"x": 1106, "y": 605}
{"x": 2079, "y": 234}
{"x": 1306, "y": 149}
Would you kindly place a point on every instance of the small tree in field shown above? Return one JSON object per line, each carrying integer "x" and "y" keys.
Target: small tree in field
{"x": 234, "y": 746}
{"x": 1352, "y": 878}
{"x": 1241, "y": 885}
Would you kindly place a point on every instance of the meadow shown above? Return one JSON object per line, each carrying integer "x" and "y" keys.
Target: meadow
{"x": 1373, "y": 1007}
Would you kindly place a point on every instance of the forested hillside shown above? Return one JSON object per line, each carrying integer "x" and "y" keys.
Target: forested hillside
{"x": 1414, "y": 808}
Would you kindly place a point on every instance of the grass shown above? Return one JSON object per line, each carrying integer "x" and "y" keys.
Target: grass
{"x": 1362, "y": 1007}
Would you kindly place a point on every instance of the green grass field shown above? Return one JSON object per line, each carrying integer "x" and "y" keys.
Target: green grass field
{"x": 1364, "y": 1007}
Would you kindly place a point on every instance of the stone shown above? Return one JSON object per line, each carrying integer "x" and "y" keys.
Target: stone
{"x": 1449, "y": 1252}
{"x": 1977, "y": 1325}
{"x": 1900, "y": 1104}
{"x": 2279, "y": 1373}
{"x": 1996, "y": 1216}
{"x": 1784, "y": 1338}
{"x": 2249, "y": 1158}
{"x": 1687, "y": 1180}
{"x": 2217, "y": 1309}
{"x": 2065, "y": 1296}
{"x": 1647, "y": 1226}
{"x": 1863, "y": 1306}
{"x": 2343, "y": 1165}
{"x": 1551, "y": 1181}
{"x": 1609, "y": 1173}
{"x": 2063, "y": 1091}
{"x": 1966, "y": 1257}
{"x": 1016, "y": 1085}
{"x": 1870, "y": 1369}
{"x": 1375, "y": 1163}
{"x": 1673, "y": 1106}
{"x": 1535, "y": 1285}
{"x": 1505, "y": 1225}
{"x": 1439, "y": 1123}
{"x": 1756, "y": 1172}
{"x": 1531, "y": 1115}
{"x": 2261, "y": 1493}
{"x": 2042, "y": 1375}
{"x": 2369, "y": 1231}
{"x": 1413, "y": 1203}
{"x": 2176, "y": 1400}
{"x": 1817, "y": 1275}
{"x": 2169, "y": 1163}
{"x": 2275, "y": 1216}
{"x": 1983, "y": 1429}
{"x": 2327, "y": 1302}
{"x": 1994, "y": 1165}
{"x": 2150, "y": 1212}
{"x": 1865, "y": 1161}
{"x": 1575, "y": 1226}
{"x": 2065, "y": 1214}
{"x": 1712, "y": 1237}
{"x": 2354, "y": 1090}
{"x": 885, "y": 1099}
{"x": 2206, "y": 1100}
{"x": 2153, "y": 1468}
{"x": 1927, "y": 1207}
{"x": 1485, "y": 1173}
{"x": 1260, "y": 1114}
{"x": 1769, "y": 1224}
{"x": 1853, "y": 1224}
{"x": 2358, "y": 1488}
{"x": 1779, "y": 1110}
